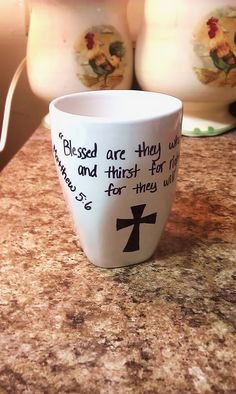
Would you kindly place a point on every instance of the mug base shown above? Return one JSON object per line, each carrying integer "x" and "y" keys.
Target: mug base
{"x": 205, "y": 119}
{"x": 123, "y": 264}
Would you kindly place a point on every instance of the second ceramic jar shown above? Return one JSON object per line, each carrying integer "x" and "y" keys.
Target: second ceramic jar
{"x": 188, "y": 49}
{"x": 78, "y": 45}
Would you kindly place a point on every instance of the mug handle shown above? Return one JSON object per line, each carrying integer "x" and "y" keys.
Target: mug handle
{"x": 8, "y": 102}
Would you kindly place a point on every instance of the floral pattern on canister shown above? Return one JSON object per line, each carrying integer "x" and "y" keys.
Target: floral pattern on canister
{"x": 100, "y": 54}
{"x": 214, "y": 43}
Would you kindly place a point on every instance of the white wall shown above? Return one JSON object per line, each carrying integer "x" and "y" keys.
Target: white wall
{"x": 12, "y": 38}
{"x": 27, "y": 109}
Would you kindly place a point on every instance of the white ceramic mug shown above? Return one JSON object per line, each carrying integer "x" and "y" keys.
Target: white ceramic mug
{"x": 117, "y": 154}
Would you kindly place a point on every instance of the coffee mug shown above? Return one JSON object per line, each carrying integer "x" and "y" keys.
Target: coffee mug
{"x": 117, "y": 154}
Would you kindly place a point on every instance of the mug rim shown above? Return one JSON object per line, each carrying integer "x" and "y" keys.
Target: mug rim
{"x": 176, "y": 104}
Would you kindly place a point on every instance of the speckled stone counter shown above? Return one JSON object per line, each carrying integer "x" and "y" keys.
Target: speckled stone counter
{"x": 165, "y": 326}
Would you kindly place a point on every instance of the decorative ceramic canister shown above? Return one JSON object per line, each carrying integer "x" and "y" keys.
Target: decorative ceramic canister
{"x": 78, "y": 45}
{"x": 188, "y": 49}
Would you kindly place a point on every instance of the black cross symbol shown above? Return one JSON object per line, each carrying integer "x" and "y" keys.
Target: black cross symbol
{"x": 137, "y": 211}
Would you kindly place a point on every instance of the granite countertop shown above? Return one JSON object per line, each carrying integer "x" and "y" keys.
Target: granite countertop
{"x": 164, "y": 326}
